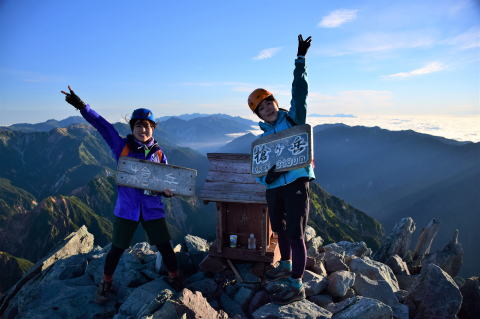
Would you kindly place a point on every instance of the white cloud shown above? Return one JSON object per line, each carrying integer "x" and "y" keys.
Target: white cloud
{"x": 468, "y": 40}
{"x": 338, "y": 17}
{"x": 429, "y": 68}
{"x": 266, "y": 53}
{"x": 352, "y": 101}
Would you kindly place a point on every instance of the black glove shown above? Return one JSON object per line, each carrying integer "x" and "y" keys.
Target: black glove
{"x": 272, "y": 175}
{"x": 73, "y": 99}
{"x": 303, "y": 45}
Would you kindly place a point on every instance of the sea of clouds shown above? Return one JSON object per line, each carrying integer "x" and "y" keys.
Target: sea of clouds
{"x": 452, "y": 127}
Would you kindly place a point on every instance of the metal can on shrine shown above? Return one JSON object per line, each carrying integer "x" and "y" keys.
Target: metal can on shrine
{"x": 233, "y": 241}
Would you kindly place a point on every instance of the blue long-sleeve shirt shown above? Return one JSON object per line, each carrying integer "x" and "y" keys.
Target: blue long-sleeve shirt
{"x": 298, "y": 113}
{"x": 131, "y": 202}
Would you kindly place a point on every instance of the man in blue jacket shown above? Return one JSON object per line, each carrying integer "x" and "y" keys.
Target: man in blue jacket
{"x": 287, "y": 192}
{"x": 133, "y": 206}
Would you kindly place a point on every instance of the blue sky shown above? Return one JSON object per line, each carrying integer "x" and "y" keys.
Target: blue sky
{"x": 367, "y": 57}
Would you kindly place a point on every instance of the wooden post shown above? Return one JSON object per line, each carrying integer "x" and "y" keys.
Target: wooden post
{"x": 264, "y": 233}
{"x": 219, "y": 228}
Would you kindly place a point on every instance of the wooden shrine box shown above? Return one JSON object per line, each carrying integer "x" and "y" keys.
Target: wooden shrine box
{"x": 241, "y": 209}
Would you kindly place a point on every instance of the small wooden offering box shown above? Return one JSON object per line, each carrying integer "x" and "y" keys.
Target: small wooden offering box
{"x": 241, "y": 209}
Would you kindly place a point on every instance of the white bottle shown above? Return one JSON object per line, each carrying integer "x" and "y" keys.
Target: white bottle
{"x": 251, "y": 242}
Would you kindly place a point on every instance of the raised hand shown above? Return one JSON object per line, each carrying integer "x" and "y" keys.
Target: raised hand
{"x": 272, "y": 175}
{"x": 303, "y": 45}
{"x": 73, "y": 99}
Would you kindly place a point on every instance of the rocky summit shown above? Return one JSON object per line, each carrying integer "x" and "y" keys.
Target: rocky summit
{"x": 342, "y": 281}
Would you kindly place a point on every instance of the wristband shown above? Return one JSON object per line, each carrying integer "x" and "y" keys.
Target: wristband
{"x": 301, "y": 56}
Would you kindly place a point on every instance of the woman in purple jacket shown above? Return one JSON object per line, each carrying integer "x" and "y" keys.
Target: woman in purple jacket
{"x": 133, "y": 206}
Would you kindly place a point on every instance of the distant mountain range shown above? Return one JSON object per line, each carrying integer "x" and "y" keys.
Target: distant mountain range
{"x": 394, "y": 174}
{"x": 47, "y": 125}
{"x": 202, "y": 132}
{"x": 52, "y": 182}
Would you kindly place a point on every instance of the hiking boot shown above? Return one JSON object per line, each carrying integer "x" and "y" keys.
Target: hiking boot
{"x": 105, "y": 292}
{"x": 289, "y": 293}
{"x": 275, "y": 286}
{"x": 282, "y": 269}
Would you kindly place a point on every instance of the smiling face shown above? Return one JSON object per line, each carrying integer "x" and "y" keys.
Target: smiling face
{"x": 268, "y": 110}
{"x": 143, "y": 130}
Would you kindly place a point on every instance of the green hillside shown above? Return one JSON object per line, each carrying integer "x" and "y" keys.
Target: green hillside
{"x": 335, "y": 220}
{"x": 12, "y": 269}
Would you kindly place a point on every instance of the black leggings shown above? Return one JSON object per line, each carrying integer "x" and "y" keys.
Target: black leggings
{"x": 113, "y": 257}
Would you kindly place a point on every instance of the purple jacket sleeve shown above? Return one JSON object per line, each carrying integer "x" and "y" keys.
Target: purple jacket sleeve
{"x": 108, "y": 132}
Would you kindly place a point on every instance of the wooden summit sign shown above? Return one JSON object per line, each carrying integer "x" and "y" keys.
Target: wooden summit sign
{"x": 288, "y": 149}
{"x": 155, "y": 177}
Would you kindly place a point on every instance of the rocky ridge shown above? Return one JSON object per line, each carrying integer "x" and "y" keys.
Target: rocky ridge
{"x": 341, "y": 281}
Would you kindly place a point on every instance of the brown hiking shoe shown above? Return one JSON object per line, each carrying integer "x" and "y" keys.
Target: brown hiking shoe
{"x": 105, "y": 292}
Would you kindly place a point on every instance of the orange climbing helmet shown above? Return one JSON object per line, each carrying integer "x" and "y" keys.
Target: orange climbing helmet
{"x": 256, "y": 97}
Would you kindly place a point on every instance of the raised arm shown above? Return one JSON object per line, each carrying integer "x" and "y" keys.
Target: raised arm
{"x": 108, "y": 132}
{"x": 298, "y": 104}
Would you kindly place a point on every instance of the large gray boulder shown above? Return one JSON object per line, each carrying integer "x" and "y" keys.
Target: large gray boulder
{"x": 314, "y": 283}
{"x": 365, "y": 308}
{"x": 230, "y": 306}
{"x": 434, "y": 295}
{"x": 206, "y": 286}
{"x": 191, "y": 305}
{"x": 339, "y": 282}
{"x": 339, "y": 306}
{"x": 196, "y": 244}
{"x": 382, "y": 291}
{"x": 398, "y": 241}
{"x": 143, "y": 296}
{"x": 310, "y": 233}
{"x": 79, "y": 242}
{"x": 450, "y": 258}
{"x": 398, "y": 266}
{"x": 313, "y": 246}
{"x": 300, "y": 309}
{"x": 374, "y": 270}
{"x": 358, "y": 249}
{"x": 334, "y": 261}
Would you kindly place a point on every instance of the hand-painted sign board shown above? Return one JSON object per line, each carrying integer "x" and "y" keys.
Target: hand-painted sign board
{"x": 155, "y": 177}
{"x": 288, "y": 149}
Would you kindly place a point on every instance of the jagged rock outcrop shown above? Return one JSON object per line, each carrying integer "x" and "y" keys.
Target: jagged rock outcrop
{"x": 374, "y": 270}
{"x": 450, "y": 258}
{"x": 369, "y": 290}
{"x": 424, "y": 242}
{"x": 398, "y": 241}
{"x": 434, "y": 295}
{"x": 79, "y": 242}
{"x": 365, "y": 308}
{"x": 471, "y": 299}
{"x": 299, "y": 309}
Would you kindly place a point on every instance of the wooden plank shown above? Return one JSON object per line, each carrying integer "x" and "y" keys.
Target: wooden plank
{"x": 233, "y": 197}
{"x": 241, "y": 178}
{"x": 230, "y": 167}
{"x": 235, "y": 187}
{"x": 155, "y": 177}
{"x": 235, "y": 271}
{"x": 288, "y": 149}
{"x": 229, "y": 156}
{"x": 245, "y": 254}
